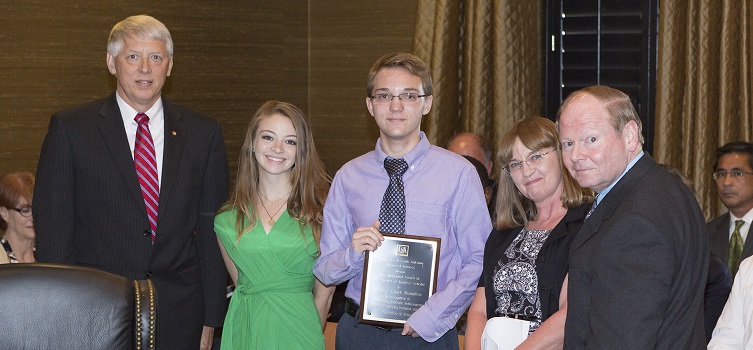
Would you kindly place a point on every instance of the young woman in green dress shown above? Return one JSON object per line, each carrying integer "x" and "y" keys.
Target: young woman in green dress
{"x": 269, "y": 236}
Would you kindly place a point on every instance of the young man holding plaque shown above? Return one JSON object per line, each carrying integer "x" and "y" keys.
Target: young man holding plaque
{"x": 405, "y": 186}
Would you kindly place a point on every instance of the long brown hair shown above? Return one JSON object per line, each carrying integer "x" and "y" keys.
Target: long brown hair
{"x": 513, "y": 209}
{"x": 309, "y": 180}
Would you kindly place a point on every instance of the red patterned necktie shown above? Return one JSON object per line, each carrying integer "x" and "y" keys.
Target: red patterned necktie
{"x": 146, "y": 168}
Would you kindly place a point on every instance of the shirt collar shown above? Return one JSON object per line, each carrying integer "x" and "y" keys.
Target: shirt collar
{"x": 412, "y": 158}
{"x": 128, "y": 112}
{"x": 748, "y": 217}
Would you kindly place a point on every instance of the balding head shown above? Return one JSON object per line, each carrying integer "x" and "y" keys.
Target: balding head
{"x": 472, "y": 145}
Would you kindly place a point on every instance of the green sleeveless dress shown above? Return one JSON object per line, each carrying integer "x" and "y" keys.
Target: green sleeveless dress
{"x": 272, "y": 306}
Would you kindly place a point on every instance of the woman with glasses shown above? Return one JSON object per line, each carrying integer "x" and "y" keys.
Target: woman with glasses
{"x": 16, "y": 190}
{"x": 538, "y": 212}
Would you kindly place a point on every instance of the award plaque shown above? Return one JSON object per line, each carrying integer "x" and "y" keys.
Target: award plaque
{"x": 398, "y": 278}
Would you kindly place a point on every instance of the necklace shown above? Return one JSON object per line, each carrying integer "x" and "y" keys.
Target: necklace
{"x": 272, "y": 217}
{"x": 276, "y": 200}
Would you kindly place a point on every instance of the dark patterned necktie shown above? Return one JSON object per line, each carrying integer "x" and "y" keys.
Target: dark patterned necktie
{"x": 146, "y": 168}
{"x": 735, "y": 248}
{"x": 591, "y": 211}
{"x": 392, "y": 212}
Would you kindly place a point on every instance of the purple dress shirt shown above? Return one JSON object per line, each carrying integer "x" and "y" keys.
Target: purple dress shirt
{"x": 444, "y": 199}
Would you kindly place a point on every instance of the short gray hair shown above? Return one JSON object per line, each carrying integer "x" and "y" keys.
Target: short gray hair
{"x": 141, "y": 26}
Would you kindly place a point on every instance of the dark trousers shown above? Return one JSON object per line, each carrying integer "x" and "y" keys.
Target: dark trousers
{"x": 354, "y": 336}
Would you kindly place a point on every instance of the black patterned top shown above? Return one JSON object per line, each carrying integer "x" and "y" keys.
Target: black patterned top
{"x": 9, "y": 251}
{"x": 515, "y": 281}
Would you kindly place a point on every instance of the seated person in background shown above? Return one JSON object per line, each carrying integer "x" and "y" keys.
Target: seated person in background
{"x": 472, "y": 145}
{"x": 539, "y": 211}
{"x": 486, "y": 182}
{"x": 16, "y": 190}
{"x": 734, "y": 330}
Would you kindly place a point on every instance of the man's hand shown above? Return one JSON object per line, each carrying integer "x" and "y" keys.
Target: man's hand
{"x": 207, "y": 336}
{"x": 367, "y": 238}
{"x": 407, "y": 330}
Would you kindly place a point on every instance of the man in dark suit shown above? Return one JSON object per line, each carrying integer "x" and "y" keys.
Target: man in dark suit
{"x": 639, "y": 263}
{"x": 733, "y": 174}
{"x": 94, "y": 208}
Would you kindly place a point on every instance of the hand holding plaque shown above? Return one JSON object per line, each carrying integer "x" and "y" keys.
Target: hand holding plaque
{"x": 398, "y": 278}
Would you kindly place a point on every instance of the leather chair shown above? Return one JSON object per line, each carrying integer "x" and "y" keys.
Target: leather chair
{"x": 48, "y": 306}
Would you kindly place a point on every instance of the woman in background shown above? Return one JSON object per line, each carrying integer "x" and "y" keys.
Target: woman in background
{"x": 539, "y": 210}
{"x": 16, "y": 191}
{"x": 269, "y": 236}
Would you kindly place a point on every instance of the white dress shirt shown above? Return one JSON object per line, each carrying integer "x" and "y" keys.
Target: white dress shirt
{"x": 734, "y": 329}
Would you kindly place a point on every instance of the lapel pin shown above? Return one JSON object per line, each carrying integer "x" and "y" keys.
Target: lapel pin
{"x": 175, "y": 133}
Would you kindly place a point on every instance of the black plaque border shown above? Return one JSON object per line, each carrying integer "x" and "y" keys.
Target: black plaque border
{"x": 435, "y": 242}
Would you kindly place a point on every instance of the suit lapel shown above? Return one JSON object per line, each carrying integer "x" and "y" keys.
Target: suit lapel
{"x": 720, "y": 239}
{"x": 612, "y": 200}
{"x": 174, "y": 140}
{"x": 114, "y": 135}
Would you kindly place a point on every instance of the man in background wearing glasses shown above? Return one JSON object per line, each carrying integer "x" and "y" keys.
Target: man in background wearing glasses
{"x": 440, "y": 195}
{"x": 728, "y": 233}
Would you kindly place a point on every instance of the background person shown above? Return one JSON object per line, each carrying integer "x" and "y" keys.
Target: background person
{"x": 486, "y": 183}
{"x": 16, "y": 222}
{"x": 129, "y": 184}
{"x": 472, "y": 145}
{"x": 539, "y": 211}
{"x": 269, "y": 234}
{"x": 728, "y": 233}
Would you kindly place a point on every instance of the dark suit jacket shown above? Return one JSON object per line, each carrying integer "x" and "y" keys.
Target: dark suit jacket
{"x": 551, "y": 263}
{"x": 638, "y": 267}
{"x": 89, "y": 211}
{"x": 718, "y": 286}
{"x": 718, "y": 230}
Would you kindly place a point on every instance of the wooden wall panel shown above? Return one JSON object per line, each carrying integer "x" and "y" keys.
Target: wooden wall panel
{"x": 230, "y": 56}
{"x": 346, "y": 38}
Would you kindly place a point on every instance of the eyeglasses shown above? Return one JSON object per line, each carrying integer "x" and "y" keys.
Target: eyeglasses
{"x": 736, "y": 174}
{"x": 536, "y": 158}
{"x": 405, "y": 97}
{"x": 25, "y": 212}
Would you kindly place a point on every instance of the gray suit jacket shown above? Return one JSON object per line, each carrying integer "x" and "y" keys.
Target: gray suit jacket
{"x": 638, "y": 267}
{"x": 89, "y": 211}
{"x": 718, "y": 231}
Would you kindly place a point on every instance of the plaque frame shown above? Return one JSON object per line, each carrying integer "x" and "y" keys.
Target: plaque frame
{"x": 427, "y": 263}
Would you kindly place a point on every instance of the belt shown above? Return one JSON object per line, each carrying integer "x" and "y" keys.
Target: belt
{"x": 351, "y": 308}
{"x": 518, "y": 316}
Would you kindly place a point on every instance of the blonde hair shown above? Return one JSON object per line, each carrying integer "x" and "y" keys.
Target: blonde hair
{"x": 513, "y": 209}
